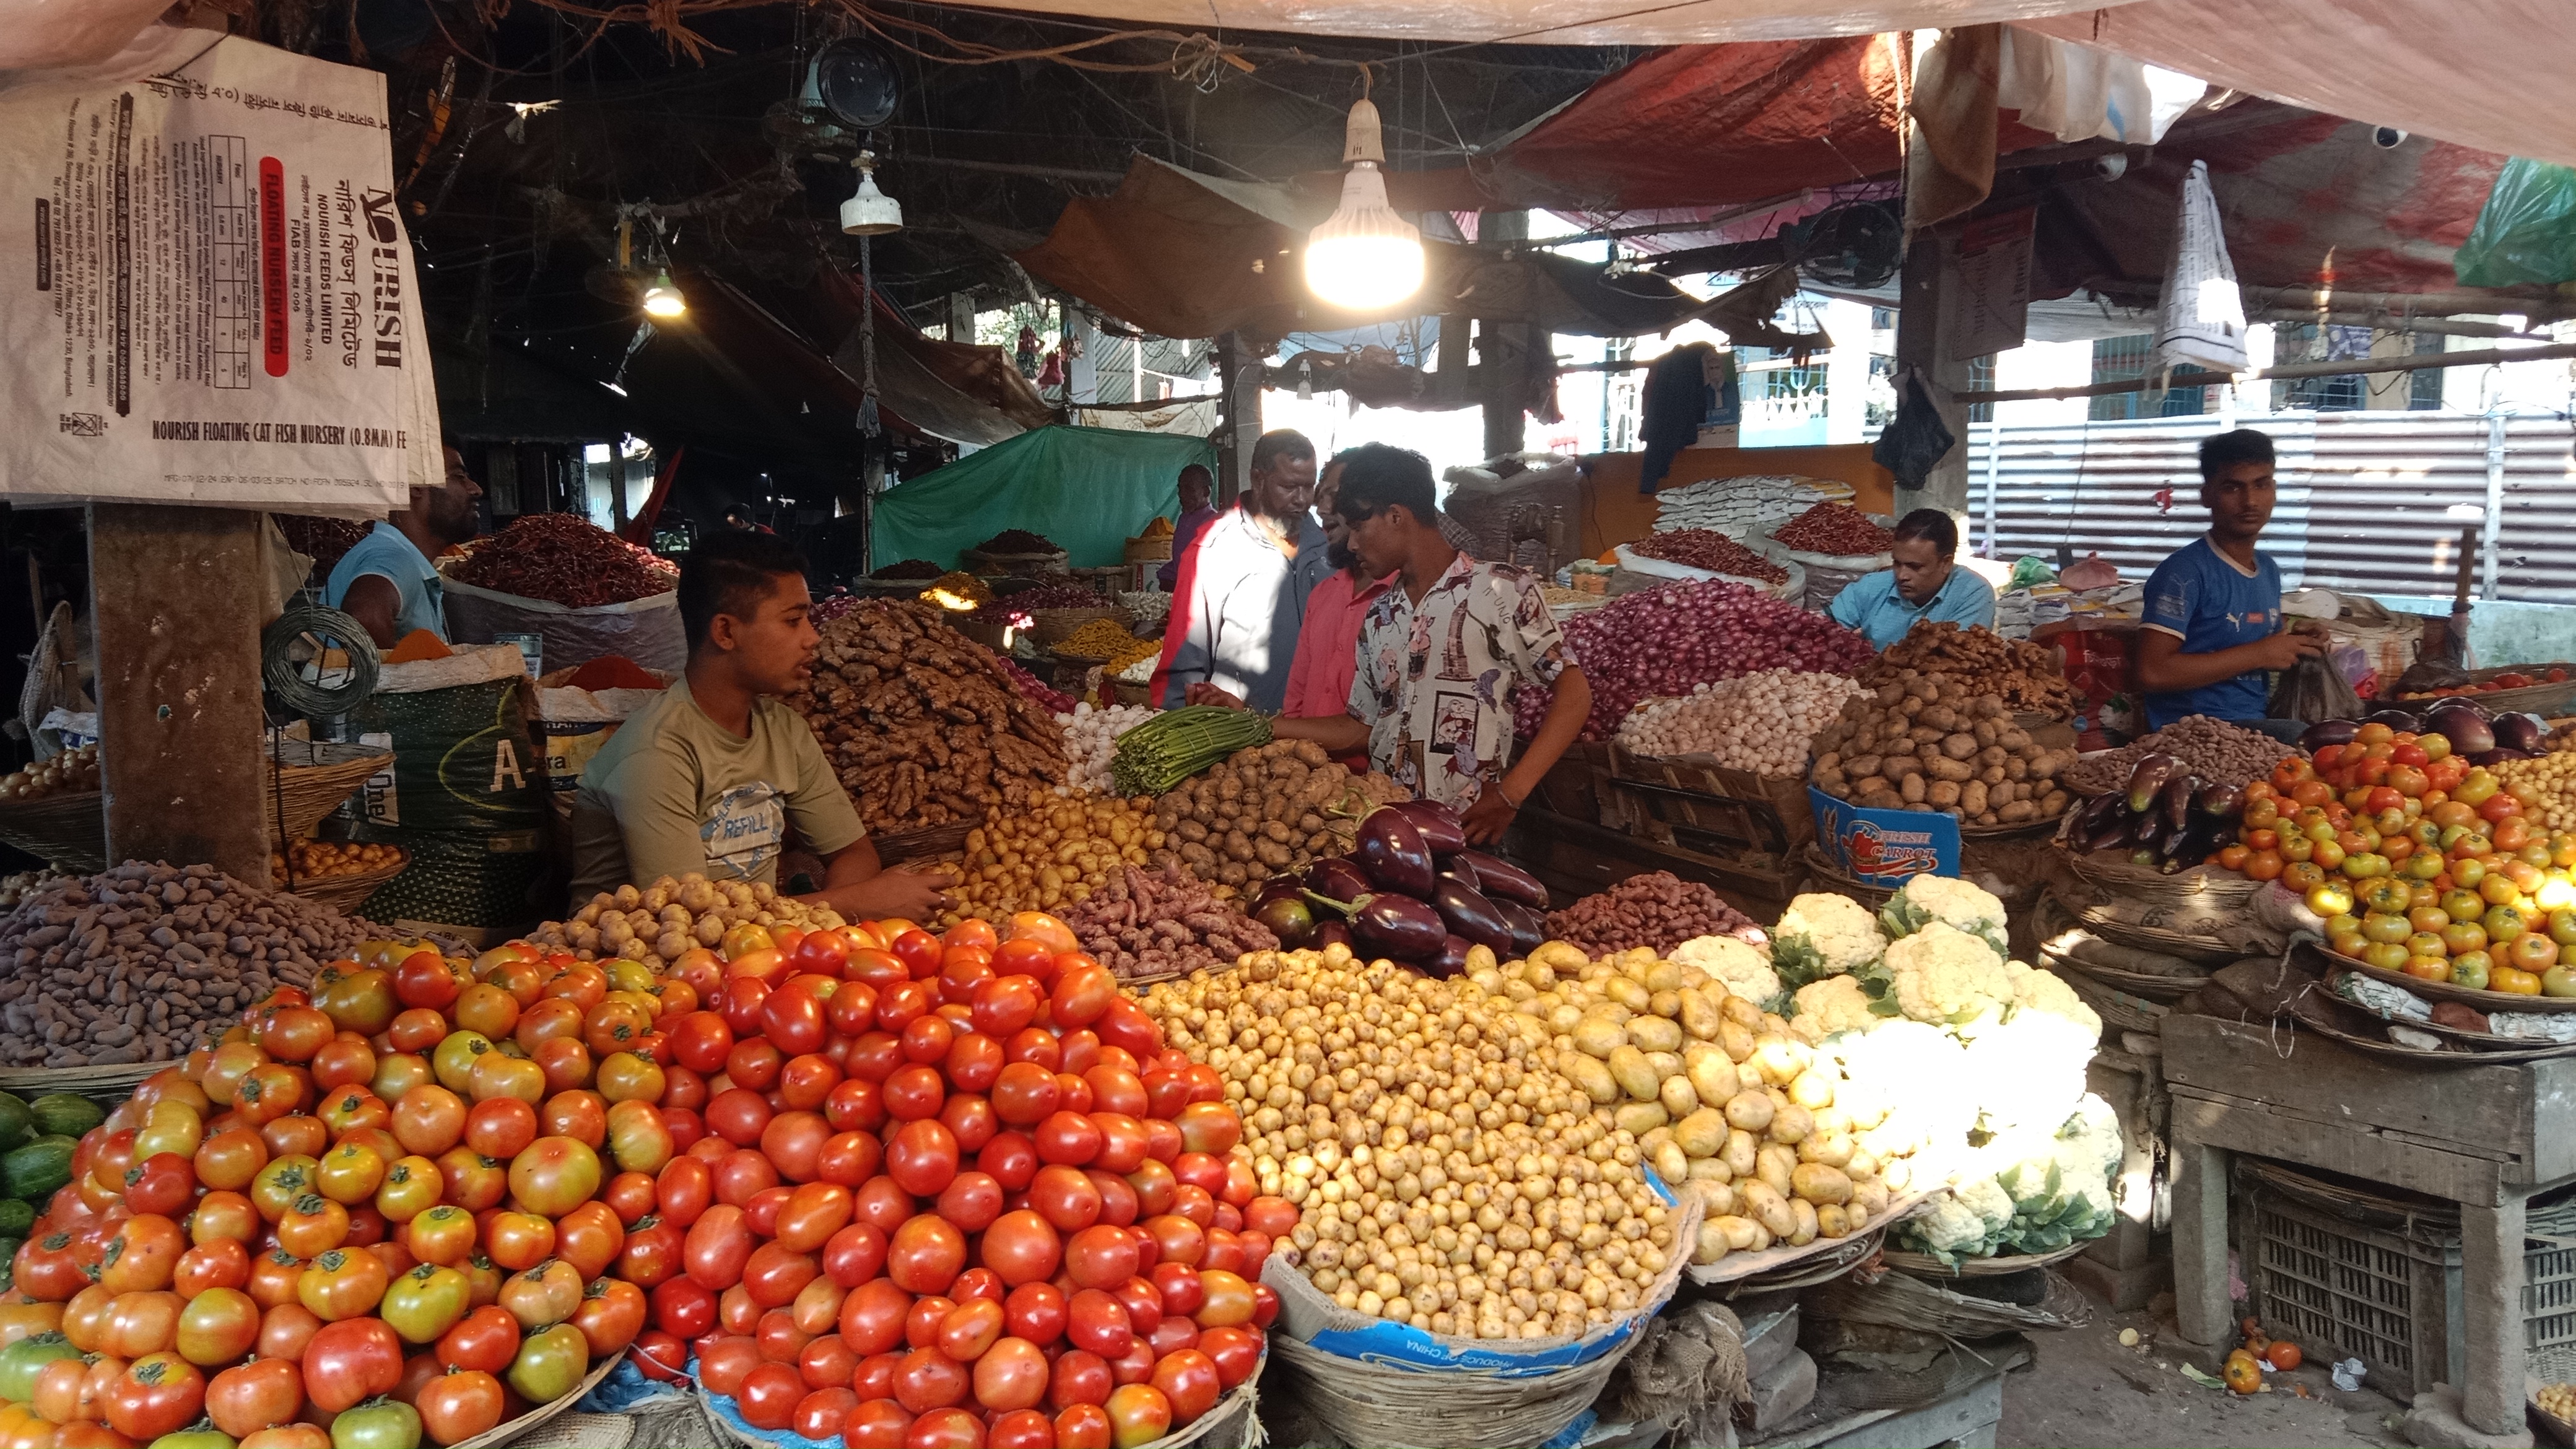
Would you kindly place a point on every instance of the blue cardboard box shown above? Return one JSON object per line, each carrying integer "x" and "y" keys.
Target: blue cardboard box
{"x": 1884, "y": 848}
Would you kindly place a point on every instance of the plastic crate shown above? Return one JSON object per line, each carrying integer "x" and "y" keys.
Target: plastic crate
{"x": 2351, "y": 1273}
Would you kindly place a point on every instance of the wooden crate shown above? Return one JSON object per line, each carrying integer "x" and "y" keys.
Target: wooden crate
{"x": 1576, "y": 858}
{"x": 1572, "y": 787}
{"x": 1759, "y": 813}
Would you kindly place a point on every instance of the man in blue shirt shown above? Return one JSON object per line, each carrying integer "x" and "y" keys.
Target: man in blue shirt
{"x": 387, "y": 581}
{"x": 2213, "y": 627}
{"x": 1926, "y": 583}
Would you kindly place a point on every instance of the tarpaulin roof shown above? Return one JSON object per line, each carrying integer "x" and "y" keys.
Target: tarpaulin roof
{"x": 1717, "y": 125}
{"x": 1180, "y": 254}
{"x": 1089, "y": 489}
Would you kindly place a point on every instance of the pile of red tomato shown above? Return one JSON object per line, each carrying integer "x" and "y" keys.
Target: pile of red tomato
{"x": 388, "y": 1211}
{"x": 953, "y": 1192}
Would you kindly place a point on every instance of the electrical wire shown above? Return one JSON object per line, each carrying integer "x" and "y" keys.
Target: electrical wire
{"x": 312, "y": 629}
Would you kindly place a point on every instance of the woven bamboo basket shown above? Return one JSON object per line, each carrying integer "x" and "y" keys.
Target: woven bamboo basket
{"x": 310, "y": 779}
{"x": 1924, "y": 1265}
{"x": 1050, "y": 625}
{"x": 345, "y": 893}
{"x": 927, "y": 840}
{"x": 104, "y": 1083}
{"x": 1150, "y": 550}
{"x": 68, "y": 830}
{"x": 1003, "y": 565}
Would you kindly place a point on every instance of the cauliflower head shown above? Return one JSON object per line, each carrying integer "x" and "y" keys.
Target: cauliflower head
{"x": 1948, "y": 977}
{"x": 1956, "y": 903}
{"x": 2046, "y": 991}
{"x": 1743, "y": 970}
{"x": 1962, "y": 1223}
{"x": 1834, "y": 1004}
{"x": 1824, "y": 935}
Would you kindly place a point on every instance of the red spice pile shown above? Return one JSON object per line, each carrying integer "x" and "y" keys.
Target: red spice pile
{"x": 1706, "y": 548}
{"x": 1834, "y": 528}
{"x": 565, "y": 560}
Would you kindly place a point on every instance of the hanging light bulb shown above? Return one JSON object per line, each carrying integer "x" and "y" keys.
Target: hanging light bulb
{"x": 663, "y": 300}
{"x": 870, "y": 212}
{"x": 1365, "y": 258}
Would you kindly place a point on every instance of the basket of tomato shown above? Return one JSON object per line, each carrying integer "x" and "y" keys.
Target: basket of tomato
{"x": 2420, "y": 863}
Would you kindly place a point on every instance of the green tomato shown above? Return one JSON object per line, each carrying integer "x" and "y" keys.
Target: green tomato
{"x": 2559, "y": 981}
{"x": 2562, "y": 925}
{"x": 195, "y": 1439}
{"x": 377, "y": 1424}
{"x": 2470, "y": 969}
{"x": 550, "y": 1364}
{"x": 425, "y": 1302}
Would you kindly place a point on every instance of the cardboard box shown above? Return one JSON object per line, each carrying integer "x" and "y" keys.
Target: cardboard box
{"x": 1884, "y": 848}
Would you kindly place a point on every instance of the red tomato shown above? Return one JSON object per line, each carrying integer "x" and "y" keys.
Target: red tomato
{"x": 718, "y": 1246}
{"x": 793, "y": 1141}
{"x": 1010, "y": 1159}
{"x": 1065, "y": 1197}
{"x": 348, "y": 1362}
{"x": 700, "y": 1040}
{"x": 849, "y": 1158}
{"x": 1228, "y": 1302}
{"x": 1035, "y": 1045}
{"x": 807, "y": 1082}
{"x": 685, "y": 1187}
{"x": 872, "y": 1317}
{"x": 880, "y": 1202}
{"x": 1080, "y": 1377}
{"x": 156, "y": 1395}
{"x": 854, "y": 1254}
{"x": 1070, "y": 1138}
{"x": 1020, "y": 1429}
{"x": 821, "y": 1413}
{"x": 775, "y": 1274}
{"x": 791, "y": 1018}
{"x": 972, "y": 1201}
{"x": 1236, "y": 1352}
{"x": 914, "y": 1092}
{"x": 928, "y": 1379}
{"x": 946, "y": 1429}
{"x": 876, "y": 1423}
{"x": 742, "y": 1175}
{"x": 780, "y": 1339}
{"x": 857, "y": 1104}
{"x": 724, "y": 1362}
{"x": 1118, "y": 1201}
{"x": 1100, "y": 1257}
{"x": 1273, "y": 1217}
{"x": 1083, "y": 1426}
{"x": 1082, "y": 994}
{"x": 827, "y": 1362}
{"x": 683, "y": 1309}
{"x": 926, "y": 1254}
{"x": 1097, "y": 1322}
{"x": 1188, "y": 1380}
{"x": 738, "y": 1115}
{"x": 1036, "y": 1312}
{"x": 969, "y": 1329}
{"x": 969, "y": 1118}
{"x": 922, "y": 1158}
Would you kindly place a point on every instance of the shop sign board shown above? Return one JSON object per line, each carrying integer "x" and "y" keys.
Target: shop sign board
{"x": 208, "y": 296}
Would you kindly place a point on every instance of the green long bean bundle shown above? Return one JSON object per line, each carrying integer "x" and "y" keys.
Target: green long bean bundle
{"x": 1176, "y": 744}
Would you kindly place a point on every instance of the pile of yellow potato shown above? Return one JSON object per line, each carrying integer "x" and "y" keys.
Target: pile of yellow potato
{"x": 1049, "y": 856}
{"x": 1722, "y": 1098}
{"x": 668, "y": 917}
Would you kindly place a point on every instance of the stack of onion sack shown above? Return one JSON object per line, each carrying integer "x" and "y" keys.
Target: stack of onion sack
{"x": 398, "y": 1210}
{"x": 954, "y": 1192}
{"x": 1411, "y": 892}
{"x": 1663, "y": 641}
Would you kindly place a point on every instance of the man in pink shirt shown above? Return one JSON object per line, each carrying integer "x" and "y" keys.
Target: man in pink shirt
{"x": 1319, "y": 678}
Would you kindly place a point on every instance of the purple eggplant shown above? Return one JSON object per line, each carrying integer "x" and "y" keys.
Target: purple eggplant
{"x": 2498, "y": 757}
{"x": 2112, "y": 836}
{"x": 2147, "y": 780}
{"x": 1440, "y": 826}
{"x": 1502, "y": 880}
{"x": 2224, "y": 802}
{"x": 2403, "y": 721}
{"x": 2328, "y": 732}
{"x": 1471, "y": 915}
{"x": 1449, "y": 960}
{"x": 1330, "y": 933}
{"x": 1278, "y": 887}
{"x": 2520, "y": 731}
{"x": 1391, "y": 849}
{"x": 1338, "y": 878}
{"x": 2469, "y": 733}
{"x": 1290, "y": 919}
{"x": 2174, "y": 802}
{"x": 1459, "y": 872}
{"x": 1528, "y": 928}
{"x": 1391, "y": 925}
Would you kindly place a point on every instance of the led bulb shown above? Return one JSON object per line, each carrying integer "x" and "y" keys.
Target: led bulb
{"x": 662, "y": 299}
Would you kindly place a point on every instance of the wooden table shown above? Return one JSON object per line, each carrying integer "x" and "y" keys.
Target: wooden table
{"x": 2484, "y": 1137}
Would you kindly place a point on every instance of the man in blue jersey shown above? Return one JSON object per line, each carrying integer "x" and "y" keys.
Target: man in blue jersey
{"x": 2213, "y": 630}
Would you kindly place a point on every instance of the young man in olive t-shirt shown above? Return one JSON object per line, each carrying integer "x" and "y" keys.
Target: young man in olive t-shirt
{"x": 708, "y": 777}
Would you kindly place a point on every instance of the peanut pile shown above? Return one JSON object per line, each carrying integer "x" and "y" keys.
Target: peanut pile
{"x": 920, "y": 722}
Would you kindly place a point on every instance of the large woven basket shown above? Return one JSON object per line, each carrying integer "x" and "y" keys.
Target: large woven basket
{"x": 71, "y": 830}
{"x": 1150, "y": 550}
{"x": 345, "y": 893}
{"x": 1002, "y": 565}
{"x": 925, "y": 841}
{"x": 1050, "y": 625}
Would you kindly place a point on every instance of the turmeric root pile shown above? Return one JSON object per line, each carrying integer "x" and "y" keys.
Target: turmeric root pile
{"x": 1266, "y": 811}
{"x": 920, "y": 722}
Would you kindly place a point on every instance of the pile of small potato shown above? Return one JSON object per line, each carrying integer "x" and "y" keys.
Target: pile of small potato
{"x": 669, "y": 917}
{"x": 1929, "y": 742}
{"x": 72, "y": 772}
{"x": 1448, "y": 1177}
{"x": 1722, "y": 1099}
{"x": 309, "y": 860}
{"x": 1266, "y": 811}
{"x": 1049, "y": 856}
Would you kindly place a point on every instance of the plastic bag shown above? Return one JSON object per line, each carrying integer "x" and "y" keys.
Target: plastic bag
{"x": 2200, "y": 318}
{"x": 2426, "y": 675}
{"x": 2526, "y": 233}
{"x": 2312, "y": 690}
{"x": 2093, "y": 572}
{"x": 2029, "y": 572}
{"x": 1917, "y": 440}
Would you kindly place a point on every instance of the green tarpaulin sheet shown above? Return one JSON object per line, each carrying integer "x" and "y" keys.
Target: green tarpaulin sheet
{"x": 1089, "y": 489}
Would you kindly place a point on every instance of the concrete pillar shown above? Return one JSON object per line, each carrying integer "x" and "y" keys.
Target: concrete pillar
{"x": 178, "y": 600}
{"x": 1239, "y": 374}
{"x": 1922, "y": 342}
{"x": 1506, "y": 348}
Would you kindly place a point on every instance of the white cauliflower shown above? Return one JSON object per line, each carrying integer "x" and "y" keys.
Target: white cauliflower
{"x": 2046, "y": 991}
{"x": 1957, "y": 903}
{"x": 2028, "y": 1071}
{"x": 1948, "y": 977}
{"x": 1743, "y": 970}
{"x": 1833, "y": 1004}
{"x": 1824, "y": 935}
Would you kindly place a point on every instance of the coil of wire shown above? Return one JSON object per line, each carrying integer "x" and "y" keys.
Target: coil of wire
{"x": 293, "y": 651}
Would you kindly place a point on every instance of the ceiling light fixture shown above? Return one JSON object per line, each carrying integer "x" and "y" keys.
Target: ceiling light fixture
{"x": 870, "y": 212}
{"x": 1365, "y": 258}
{"x": 662, "y": 300}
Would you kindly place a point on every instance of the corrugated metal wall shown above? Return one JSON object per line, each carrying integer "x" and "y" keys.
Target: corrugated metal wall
{"x": 2367, "y": 500}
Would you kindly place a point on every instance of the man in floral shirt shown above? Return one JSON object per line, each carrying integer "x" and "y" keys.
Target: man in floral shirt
{"x": 1441, "y": 656}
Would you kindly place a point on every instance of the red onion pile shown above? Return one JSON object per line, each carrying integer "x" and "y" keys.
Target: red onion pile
{"x": 1034, "y": 688}
{"x": 1834, "y": 528}
{"x": 1706, "y": 548}
{"x": 1663, "y": 641}
{"x": 1054, "y": 596}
